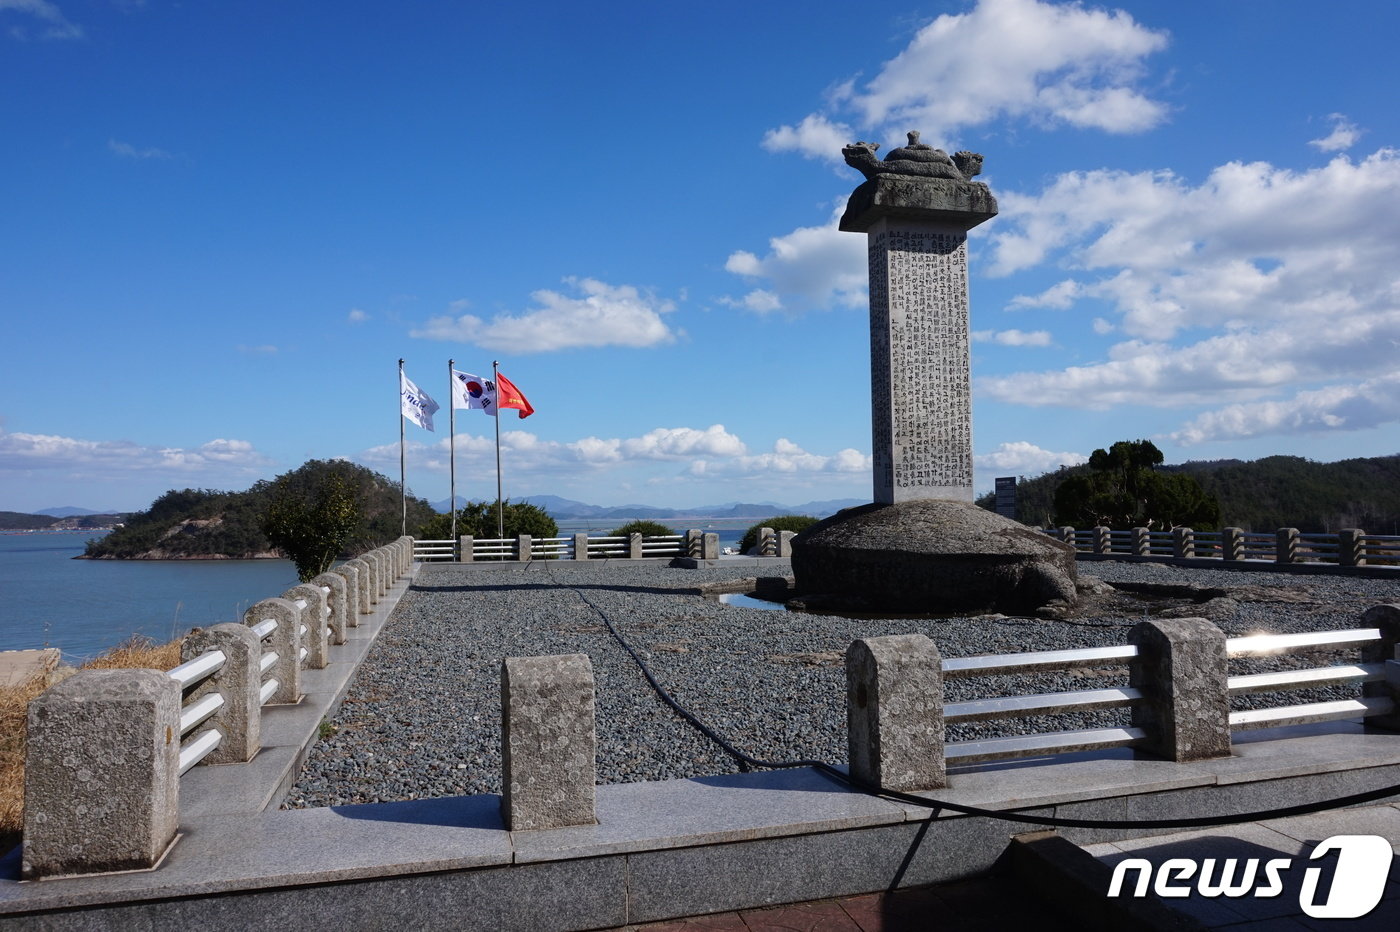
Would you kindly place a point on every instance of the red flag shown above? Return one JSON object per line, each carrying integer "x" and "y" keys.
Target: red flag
{"x": 508, "y": 396}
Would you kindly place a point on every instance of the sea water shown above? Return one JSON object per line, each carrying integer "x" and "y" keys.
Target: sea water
{"x": 83, "y": 607}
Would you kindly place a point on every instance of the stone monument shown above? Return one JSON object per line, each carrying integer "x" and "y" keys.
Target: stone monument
{"x": 922, "y": 546}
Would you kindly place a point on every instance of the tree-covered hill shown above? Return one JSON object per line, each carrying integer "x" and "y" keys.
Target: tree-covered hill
{"x": 194, "y": 524}
{"x": 1265, "y": 494}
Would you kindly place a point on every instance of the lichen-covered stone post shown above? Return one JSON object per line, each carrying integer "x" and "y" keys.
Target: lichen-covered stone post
{"x": 710, "y": 547}
{"x": 316, "y": 637}
{"x": 894, "y": 712}
{"x": 1286, "y": 545}
{"x": 1181, "y": 671}
{"x": 335, "y": 602}
{"x": 524, "y": 548}
{"x": 285, "y": 642}
{"x": 465, "y": 553}
{"x": 351, "y": 574}
{"x": 366, "y": 587}
{"x": 239, "y": 719}
{"x": 1183, "y": 542}
{"x": 1232, "y": 543}
{"x": 381, "y": 572}
{"x": 1142, "y": 542}
{"x": 1103, "y": 540}
{"x": 549, "y": 742}
{"x": 101, "y": 773}
{"x": 405, "y": 555}
{"x": 1350, "y": 551}
{"x": 785, "y": 543}
{"x": 634, "y": 546}
{"x": 1387, "y": 618}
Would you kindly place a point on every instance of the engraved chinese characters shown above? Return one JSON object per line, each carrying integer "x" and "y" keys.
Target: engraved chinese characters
{"x": 921, "y": 399}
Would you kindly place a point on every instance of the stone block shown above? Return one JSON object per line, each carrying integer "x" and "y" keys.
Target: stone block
{"x": 548, "y": 742}
{"x": 350, "y": 571}
{"x": 1103, "y": 540}
{"x": 285, "y": 642}
{"x": 1232, "y": 543}
{"x": 465, "y": 545}
{"x": 1286, "y": 545}
{"x": 1183, "y": 542}
{"x": 362, "y": 573}
{"x": 1066, "y": 535}
{"x": 101, "y": 781}
{"x": 581, "y": 545}
{"x": 1142, "y": 542}
{"x": 316, "y": 619}
{"x": 523, "y": 548}
{"x": 634, "y": 546}
{"x": 1349, "y": 547}
{"x": 710, "y": 547}
{"x": 335, "y": 602}
{"x": 1182, "y": 673}
{"x": 239, "y": 720}
{"x": 767, "y": 546}
{"x": 894, "y": 712}
{"x": 785, "y": 543}
{"x": 1387, "y": 619}
{"x": 694, "y": 543}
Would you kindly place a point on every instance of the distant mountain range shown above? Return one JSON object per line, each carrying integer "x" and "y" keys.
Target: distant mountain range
{"x": 565, "y": 508}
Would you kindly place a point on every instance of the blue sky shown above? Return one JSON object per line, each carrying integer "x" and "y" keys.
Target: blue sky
{"x": 225, "y": 222}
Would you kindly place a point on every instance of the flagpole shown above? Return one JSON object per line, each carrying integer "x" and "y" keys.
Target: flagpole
{"x": 452, "y": 450}
{"x": 403, "y": 485}
{"x": 500, "y": 509}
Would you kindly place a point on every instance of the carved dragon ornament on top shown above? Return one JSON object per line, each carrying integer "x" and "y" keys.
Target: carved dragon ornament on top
{"x": 916, "y": 159}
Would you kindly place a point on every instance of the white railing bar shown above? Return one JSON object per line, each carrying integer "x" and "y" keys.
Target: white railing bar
{"x": 198, "y": 749}
{"x": 265, "y": 627}
{"x": 1043, "y": 704}
{"x": 1312, "y": 712}
{"x": 268, "y": 659}
{"x": 194, "y": 714}
{"x": 987, "y": 664}
{"x": 199, "y": 669}
{"x": 265, "y": 693}
{"x": 1292, "y": 679}
{"x": 1058, "y": 742}
{"x": 1264, "y": 643}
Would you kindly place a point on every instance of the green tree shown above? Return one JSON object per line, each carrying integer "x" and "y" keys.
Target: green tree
{"x": 478, "y": 519}
{"x": 1123, "y": 489}
{"x": 644, "y": 528}
{"x": 779, "y": 523}
{"x": 312, "y": 530}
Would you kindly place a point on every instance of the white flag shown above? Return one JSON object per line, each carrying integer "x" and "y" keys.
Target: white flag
{"x": 416, "y": 405}
{"x": 472, "y": 391}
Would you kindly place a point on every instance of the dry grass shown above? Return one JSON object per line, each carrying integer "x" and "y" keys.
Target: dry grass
{"x": 14, "y": 705}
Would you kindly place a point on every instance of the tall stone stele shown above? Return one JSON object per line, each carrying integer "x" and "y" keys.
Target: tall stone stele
{"x": 921, "y": 545}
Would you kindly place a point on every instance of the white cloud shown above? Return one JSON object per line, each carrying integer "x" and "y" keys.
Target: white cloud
{"x": 266, "y": 349}
{"x": 601, "y": 315}
{"x": 23, "y": 451}
{"x": 357, "y": 316}
{"x": 1257, "y": 281}
{"x": 1045, "y": 63}
{"x": 127, "y": 150}
{"x": 681, "y": 442}
{"x": 821, "y": 265}
{"x": 1022, "y": 458}
{"x": 786, "y": 458}
{"x": 1343, "y": 136}
{"x": 1329, "y": 409}
{"x": 1013, "y": 337}
{"x": 54, "y": 25}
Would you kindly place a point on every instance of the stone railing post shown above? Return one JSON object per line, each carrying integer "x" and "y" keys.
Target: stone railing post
{"x": 894, "y": 712}
{"x": 316, "y": 638}
{"x": 634, "y": 546}
{"x": 523, "y": 546}
{"x": 385, "y": 574}
{"x": 709, "y": 548}
{"x": 369, "y": 588}
{"x": 1142, "y": 542}
{"x": 581, "y": 545}
{"x": 1286, "y": 545}
{"x": 767, "y": 546}
{"x": 465, "y": 554}
{"x": 239, "y": 719}
{"x": 1387, "y": 618}
{"x": 1103, "y": 539}
{"x": 335, "y": 601}
{"x": 694, "y": 543}
{"x": 351, "y": 574}
{"x": 1066, "y": 534}
{"x": 1183, "y": 543}
{"x": 785, "y": 543}
{"x": 406, "y": 556}
{"x": 1232, "y": 543}
{"x": 285, "y": 642}
{"x": 1181, "y": 671}
{"x": 549, "y": 742}
{"x": 101, "y": 773}
{"x": 1350, "y": 550}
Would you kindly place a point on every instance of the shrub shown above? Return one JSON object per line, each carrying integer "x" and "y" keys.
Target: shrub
{"x": 781, "y": 523}
{"x": 478, "y": 519}
{"x": 644, "y": 528}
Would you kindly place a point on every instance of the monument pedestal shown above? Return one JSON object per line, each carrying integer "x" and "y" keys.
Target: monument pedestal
{"x": 923, "y": 546}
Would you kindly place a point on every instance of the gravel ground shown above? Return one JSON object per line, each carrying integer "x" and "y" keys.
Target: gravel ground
{"x": 422, "y": 718}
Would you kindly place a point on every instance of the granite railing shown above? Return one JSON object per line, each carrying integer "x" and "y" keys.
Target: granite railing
{"x": 581, "y": 546}
{"x": 1348, "y": 547}
{"x": 105, "y": 749}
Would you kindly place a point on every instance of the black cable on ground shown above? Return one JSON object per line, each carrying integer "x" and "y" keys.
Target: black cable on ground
{"x": 747, "y": 762}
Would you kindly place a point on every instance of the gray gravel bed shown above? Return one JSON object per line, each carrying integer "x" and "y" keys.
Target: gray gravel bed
{"x": 422, "y": 718}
